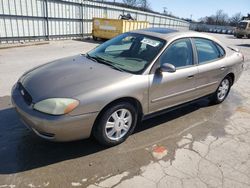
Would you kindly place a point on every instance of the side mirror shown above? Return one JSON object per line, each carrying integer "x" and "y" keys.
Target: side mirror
{"x": 166, "y": 67}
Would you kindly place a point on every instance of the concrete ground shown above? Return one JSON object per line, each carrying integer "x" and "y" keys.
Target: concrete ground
{"x": 196, "y": 146}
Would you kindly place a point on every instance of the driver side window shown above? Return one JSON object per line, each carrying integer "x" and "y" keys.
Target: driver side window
{"x": 179, "y": 54}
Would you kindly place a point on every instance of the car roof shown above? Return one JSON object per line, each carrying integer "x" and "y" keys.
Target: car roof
{"x": 172, "y": 34}
{"x": 159, "y": 30}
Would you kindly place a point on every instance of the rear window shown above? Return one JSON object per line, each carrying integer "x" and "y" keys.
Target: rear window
{"x": 242, "y": 25}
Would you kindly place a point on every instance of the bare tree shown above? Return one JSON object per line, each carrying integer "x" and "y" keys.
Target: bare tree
{"x": 208, "y": 20}
{"x": 235, "y": 19}
{"x": 144, "y": 4}
{"x": 130, "y": 2}
{"x": 220, "y": 17}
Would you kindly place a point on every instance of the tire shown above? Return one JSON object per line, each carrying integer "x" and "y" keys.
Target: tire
{"x": 222, "y": 91}
{"x": 95, "y": 38}
{"x": 238, "y": 36}
{"x": 121, "y": 128}
{"x": 248, "y": 36}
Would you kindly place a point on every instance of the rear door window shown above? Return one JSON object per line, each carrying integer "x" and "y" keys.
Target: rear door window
{"x": 206, "y": 50}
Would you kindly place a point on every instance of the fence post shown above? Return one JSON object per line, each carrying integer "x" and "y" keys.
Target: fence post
{"x": 154, "y": 21}
{"x": 82, "y": 19}
{"x": 47, "y": 18}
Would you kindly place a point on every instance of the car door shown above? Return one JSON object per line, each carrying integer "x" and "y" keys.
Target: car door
{"x": 168, "y": 89}
{"x": 211, "y": 66}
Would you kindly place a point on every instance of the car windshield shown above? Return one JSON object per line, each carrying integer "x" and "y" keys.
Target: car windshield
{"x": 128, "y": 52}
{"x": 242, "y": 25}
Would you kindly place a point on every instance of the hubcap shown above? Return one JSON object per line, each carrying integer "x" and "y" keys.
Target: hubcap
{"x": 223, "y": 89}
{"x": 118, "y": 124}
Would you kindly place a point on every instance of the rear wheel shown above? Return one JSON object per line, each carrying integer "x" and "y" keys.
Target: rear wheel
{"x": 115, "y": 124}
{"x": 222, "y": 92}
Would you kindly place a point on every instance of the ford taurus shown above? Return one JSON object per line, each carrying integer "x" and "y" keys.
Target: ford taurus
{"x": 105, "y": 92}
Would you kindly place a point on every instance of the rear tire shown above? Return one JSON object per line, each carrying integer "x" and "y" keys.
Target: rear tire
{"x": 115, "y": 124}
{"x": 222, "y": 91}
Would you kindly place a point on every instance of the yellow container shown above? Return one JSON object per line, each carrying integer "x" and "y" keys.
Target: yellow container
{"x": 108, "y": 28}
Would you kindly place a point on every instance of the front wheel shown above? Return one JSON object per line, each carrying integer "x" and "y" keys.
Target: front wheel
{"x": 115, "y": 124}
{"x": 222, "y": 92}
{"x": 239, "y": 36}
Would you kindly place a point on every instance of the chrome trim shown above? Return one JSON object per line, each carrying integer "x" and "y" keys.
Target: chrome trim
{"x": 172, "y": 95}
{"x": 182, "y": 92}
{"x": 206, "y": 85}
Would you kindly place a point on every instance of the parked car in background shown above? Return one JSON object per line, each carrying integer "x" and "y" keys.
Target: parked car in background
{"x": 219, "y": 31}
{"x": 224, "y": 31}
{"x": 229, "y": 32}
{"x": 243, "y": 29}
{"x": 133, "y": 76}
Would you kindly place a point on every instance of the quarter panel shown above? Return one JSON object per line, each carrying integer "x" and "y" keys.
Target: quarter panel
{"x": 209, "y": 77}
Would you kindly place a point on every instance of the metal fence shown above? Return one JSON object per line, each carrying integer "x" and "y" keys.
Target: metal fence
{"x": 28, "y": 20}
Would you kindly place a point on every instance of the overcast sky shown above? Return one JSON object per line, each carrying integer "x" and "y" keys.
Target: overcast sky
{"x": 200, "y": 8}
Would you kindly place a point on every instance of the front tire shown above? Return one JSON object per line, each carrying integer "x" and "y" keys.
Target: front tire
{"x": 239, "y": 36}
{"x": 222, "y": 92}
{"x": 115, "y": 124}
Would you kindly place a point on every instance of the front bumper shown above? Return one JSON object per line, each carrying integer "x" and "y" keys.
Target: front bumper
{"x": 56, "y": 128}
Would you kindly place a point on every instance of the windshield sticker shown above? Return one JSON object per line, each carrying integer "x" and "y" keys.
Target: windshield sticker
{"x": 150, "y": 42}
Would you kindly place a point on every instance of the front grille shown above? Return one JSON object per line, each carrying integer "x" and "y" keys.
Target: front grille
{"x": 26, "y": 96}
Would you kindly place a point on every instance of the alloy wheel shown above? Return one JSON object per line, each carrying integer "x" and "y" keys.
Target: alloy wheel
{"x": 118, "y": 124}
{"x": 223, "y": 89}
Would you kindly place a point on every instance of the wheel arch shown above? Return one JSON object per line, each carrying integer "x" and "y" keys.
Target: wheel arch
{"x": 133, "y": 101}
{"x": 232, "y": 76}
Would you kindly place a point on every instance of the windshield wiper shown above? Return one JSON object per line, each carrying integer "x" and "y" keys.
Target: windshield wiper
{"x": 104, "y": 61}
{"x": 90, "y": 57}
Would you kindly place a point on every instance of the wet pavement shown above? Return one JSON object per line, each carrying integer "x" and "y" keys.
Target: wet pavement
{"x": 199, "y": 145}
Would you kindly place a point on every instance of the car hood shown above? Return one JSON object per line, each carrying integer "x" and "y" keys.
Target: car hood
{"x": 69, "y": 77}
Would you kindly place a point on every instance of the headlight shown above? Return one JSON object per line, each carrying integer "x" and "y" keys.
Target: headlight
{"x": 56, "y": 106}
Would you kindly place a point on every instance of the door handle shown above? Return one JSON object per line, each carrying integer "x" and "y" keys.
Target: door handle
{"x": 190, "y": 77}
